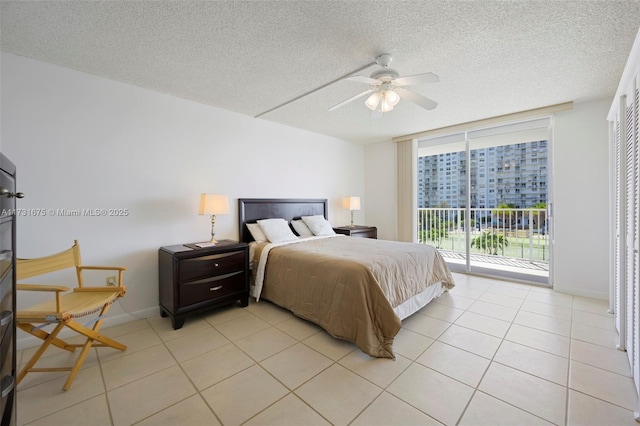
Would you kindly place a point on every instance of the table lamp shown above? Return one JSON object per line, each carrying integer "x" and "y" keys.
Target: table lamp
{"x": 351, "y": 203}
{"x": 213, "y": 204}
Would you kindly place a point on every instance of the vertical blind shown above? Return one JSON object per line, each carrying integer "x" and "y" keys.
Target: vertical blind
{"x": 407, "y": 194}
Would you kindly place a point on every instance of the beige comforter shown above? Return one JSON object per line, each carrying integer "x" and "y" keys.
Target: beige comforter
{"x": 349, "y": 286}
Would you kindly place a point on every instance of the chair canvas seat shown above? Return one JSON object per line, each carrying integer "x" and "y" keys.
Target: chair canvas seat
{"x": 65, "y": 309}
{"x": 76, "y": 305}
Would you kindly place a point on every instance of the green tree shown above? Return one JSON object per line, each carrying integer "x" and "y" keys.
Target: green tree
{"x": 436, "y": 230}
{"x": 463, "y": 223}
{"x": 490, "y": 242}
{"x": 504, "y": 211}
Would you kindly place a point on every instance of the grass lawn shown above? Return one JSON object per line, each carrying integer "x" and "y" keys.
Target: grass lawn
{"x": 518, "y": 247}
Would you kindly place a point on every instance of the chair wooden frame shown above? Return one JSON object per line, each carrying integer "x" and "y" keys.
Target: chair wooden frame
{"x": 66, "y": 308}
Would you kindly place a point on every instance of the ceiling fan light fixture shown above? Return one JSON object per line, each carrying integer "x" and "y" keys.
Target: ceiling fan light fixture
{"x": 386, "y": 88}
{"x": 383, "y": 100}
{"x": 391, "y": 97}
{"x": 385, "y": 106}
{"x": 373, "y": 101}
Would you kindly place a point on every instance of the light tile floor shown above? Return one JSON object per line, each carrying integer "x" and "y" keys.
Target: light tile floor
{"x": 487, "y": 353}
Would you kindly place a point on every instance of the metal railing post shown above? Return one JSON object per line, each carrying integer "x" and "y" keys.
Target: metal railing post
{"x": 531, "y": 235}
{"x": 437, "y": 225}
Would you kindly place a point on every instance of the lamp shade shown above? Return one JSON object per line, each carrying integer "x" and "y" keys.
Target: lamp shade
{"x": 214, "y": 204}
{"x": 351, "y": 203}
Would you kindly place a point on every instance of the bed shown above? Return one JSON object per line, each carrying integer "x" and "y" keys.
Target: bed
{"x": 357, "y": 289}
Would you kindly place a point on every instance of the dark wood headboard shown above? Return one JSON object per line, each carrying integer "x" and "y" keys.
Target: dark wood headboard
{"x": 252, "y": 209}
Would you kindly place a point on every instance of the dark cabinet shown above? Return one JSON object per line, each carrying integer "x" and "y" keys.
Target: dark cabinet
{"x": 7, "y": 292}
{"x": 194, "y": 280}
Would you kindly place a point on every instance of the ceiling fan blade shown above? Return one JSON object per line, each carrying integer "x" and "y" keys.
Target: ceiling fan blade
{"x": 363, "y": 79}
{"x": 351, "y": 99}
{"x": 427, "y": 77}
{"x": 417, "y": 99}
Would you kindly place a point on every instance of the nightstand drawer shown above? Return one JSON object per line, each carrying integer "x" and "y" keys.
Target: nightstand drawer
{"x": 212, "y": 288}
{"x": 210, "y": 266}
{"x": 197, "y": 279}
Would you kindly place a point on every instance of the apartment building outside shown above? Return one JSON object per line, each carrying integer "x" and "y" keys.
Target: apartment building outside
{"x": 509, "y": 174}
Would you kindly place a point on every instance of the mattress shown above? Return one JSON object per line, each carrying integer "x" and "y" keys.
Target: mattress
{"x": 355, "y": 288}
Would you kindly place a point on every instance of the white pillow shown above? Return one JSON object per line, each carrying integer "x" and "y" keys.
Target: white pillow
{"x": 301, "y": 228}
{"x": 256, "y": 232}
{"x": 318, "y": 225}
{"x": 277, "y": 230}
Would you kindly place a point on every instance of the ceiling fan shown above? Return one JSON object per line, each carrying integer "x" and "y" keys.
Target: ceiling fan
{"x": 386, "y": 88}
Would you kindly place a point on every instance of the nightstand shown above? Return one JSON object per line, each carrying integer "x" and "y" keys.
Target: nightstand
{"x": 194, "y": 280}
{"x": 357, "y": 231}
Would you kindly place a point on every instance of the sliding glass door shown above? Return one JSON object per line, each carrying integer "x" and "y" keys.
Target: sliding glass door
{"x": 484, "y": 199}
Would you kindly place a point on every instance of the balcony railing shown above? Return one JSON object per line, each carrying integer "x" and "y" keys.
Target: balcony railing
{"x": 495, "y": 234}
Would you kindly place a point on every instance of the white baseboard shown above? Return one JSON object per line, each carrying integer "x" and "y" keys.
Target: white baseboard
{"x": 29, "y": 341}
{"x": 577, "y": 291}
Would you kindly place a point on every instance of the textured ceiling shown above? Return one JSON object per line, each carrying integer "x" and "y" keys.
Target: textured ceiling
{"x": 493, "y": 57}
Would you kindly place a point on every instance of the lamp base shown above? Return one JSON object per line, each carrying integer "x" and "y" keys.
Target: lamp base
{"x": 213, "y": 241}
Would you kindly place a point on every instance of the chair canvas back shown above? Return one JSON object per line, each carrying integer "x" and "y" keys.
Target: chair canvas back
{"x": 67, "y": 309}
{"x": 27, "y": 268}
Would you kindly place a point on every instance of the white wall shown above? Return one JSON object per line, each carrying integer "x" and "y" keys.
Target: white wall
{"x": 580, "y": 168}
{"x": 581, "y": 195}
{"x": 85, "y": 142}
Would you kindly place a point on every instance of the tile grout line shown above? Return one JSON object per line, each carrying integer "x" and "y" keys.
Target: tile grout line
{"x": 383, "y": 389}
{"x": 163, "y": 343}
{"x": 475, "y": 389}
{"x": 289, "y": 391}
{"x": 179, "y": 364}
{"x": 104, "y": 384}
{"x": 569, "y": 367}
{"x": 64, "y": 408}
{"x": 198, "y": 392}
{"x": 258, "y": 363}
{"x": 492, "y": 360}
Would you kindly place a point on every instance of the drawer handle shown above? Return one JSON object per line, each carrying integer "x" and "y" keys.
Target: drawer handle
{"x": 215, "y": 288}
{"x": 5, "y": 318}
{"x": 7, "y": 385}
{"x": 5, "y": 191}
{"x": 216, "y": 265}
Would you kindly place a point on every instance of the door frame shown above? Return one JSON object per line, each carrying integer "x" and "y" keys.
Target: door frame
{"x": 469, "y": 134}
